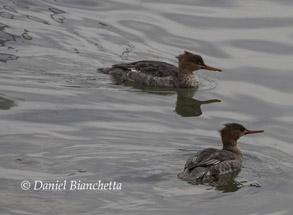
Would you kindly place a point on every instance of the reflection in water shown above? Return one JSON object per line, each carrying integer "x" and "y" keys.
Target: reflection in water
{"x": 225, "y": 182}
{"x": 56, "y": 15}
{"x": 6, "y": 57}
{"x": 6, "y": 104}
{"x": 186, "y": 105}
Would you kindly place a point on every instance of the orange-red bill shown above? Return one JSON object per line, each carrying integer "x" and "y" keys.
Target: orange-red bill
{"x": 210, "y": 68}
{"x": 253, "y": 132}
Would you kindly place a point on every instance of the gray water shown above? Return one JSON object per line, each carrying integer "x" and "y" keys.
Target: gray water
{"x": 63, "y": 120}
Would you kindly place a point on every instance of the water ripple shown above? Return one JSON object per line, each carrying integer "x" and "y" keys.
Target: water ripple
{"x": 60, "y": 119}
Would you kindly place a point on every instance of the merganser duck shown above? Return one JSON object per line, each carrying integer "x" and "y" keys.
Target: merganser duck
{"x": 161, "y": 74}
{"x": 215, "y": 162}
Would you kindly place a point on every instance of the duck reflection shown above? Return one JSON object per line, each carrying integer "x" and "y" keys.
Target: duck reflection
{"x": 225, "y": 183}
{"x": 186, "y": 105}
{"x": 6, "y": 104}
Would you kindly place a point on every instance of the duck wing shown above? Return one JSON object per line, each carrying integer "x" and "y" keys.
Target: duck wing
{"x": 208, "y": 157}
{"x": 153, "y": 68}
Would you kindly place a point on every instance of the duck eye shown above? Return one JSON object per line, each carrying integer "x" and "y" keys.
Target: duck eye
{"x": 242, "y": 129}
{"x": 199, "y": 62}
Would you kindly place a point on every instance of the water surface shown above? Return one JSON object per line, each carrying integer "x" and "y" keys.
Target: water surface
{"x": 63, "y": 120}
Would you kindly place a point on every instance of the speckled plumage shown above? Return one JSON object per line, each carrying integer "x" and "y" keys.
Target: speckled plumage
{"x": 211, "y": 162}
{"x": 152, "y": 73}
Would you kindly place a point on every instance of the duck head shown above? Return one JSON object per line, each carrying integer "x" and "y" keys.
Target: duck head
{"x": 189, "y": 62}
{"x": 232, "y": 132}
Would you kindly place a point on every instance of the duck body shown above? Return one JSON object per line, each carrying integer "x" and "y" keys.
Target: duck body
{"x": 215, "y": 162}
{"x": 211, "y": 162}
{"x": 152, "y": 73}
{"x": 161, "y": 74}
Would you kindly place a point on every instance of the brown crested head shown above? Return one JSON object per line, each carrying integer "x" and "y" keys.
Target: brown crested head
{"x": 233, "y": 131}
{"x": 189, "y": 62}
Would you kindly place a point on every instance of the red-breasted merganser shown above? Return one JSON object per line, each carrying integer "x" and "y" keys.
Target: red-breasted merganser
{"x": 215, "y": 162}
{"x": 161, "y": 74}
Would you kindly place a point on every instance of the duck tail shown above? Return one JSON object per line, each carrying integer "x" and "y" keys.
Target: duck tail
{"x": 104, "y": 70}
{"x": 196, "y": 174}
